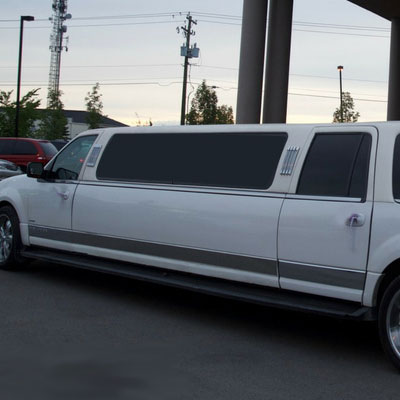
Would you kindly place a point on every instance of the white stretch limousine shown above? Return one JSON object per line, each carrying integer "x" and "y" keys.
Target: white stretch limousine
{"x": 293, "y": 216}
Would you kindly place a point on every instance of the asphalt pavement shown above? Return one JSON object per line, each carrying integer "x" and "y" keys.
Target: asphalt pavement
{"x": 72, "y": 334}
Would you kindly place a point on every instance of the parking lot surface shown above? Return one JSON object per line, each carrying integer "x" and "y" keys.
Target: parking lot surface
{"x": 72, "y": 334}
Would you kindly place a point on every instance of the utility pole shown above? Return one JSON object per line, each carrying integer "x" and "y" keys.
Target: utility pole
{"x": 187, "y": 32}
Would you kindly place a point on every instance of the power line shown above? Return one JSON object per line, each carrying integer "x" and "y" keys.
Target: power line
{"x": 332, "y": 78}
{"x": 206, "y": 21}
{"x": 341, "y": 33}
{"x": 96, "y": 66}
{"x": 124, "y": 16}
{"x": 335, "y": 91}
{"x": 341, "y": 26}
{"x": 100, "y": 25}
{"x": 102, "y": 84}
{"x": 228, "y": 16}
{"x": 335, "y": 97}
{"x": 305, "y": 30}
{"x": 215, "y": 16}
{"x": 194, "y": 65}
{"x": 174, "y": 14}
{"x": 209, "y": 15}
{"x": 198, "y": 83}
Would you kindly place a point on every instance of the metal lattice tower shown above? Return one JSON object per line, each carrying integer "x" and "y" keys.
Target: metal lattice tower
{"x": 57, "y": 43}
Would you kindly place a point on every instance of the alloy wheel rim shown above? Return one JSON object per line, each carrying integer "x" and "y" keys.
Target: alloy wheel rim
{"x": 393, "y": 323}
{"x": 6, "y": 237}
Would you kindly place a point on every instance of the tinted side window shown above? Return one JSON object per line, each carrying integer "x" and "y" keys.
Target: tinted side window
{"x": 233, "y": 160}
{"x": 68, "y": 163}
{"x": 336, "y": 165}
{"x": 137, "y": 158}
{"x": 7, "y": 146}
{"x": 23, "y": 147}
{"x": 396, "y": 169}
{"x": 219, "y": 160}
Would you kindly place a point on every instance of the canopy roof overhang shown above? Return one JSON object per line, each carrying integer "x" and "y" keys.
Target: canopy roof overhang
{"x": 388, "y": 9}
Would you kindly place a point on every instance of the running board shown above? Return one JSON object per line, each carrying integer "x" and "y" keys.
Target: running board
{"x": 255, "y": 294}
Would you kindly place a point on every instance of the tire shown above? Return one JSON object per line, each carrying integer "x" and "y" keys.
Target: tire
{"x": 389, "y": 322}
{"x": 10, "y": 239}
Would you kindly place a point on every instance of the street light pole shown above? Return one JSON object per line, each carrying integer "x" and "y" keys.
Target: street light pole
{"x": 21, "y": 35}
{"x": 340, "y": 69}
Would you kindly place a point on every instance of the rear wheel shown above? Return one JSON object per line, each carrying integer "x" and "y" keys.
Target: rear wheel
{"x": 389, "y": 322}
{"x": 10, "y": 239}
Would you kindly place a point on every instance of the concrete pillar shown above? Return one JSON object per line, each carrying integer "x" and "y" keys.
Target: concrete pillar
{"x": 278, "y": 61}
{"x": 251, "y": 66}
{"x": 394, "y": 74}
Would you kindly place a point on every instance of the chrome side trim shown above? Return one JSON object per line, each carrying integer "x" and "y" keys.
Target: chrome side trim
{"x": 219, "y": 259}
{"x": 324, "y": 275}
{"x": 185, "y": 189}
{"x": 290, "y": 160}
{"x": 324, "y": 198}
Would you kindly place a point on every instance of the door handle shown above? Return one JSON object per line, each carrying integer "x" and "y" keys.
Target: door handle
{"x": 355, "y": 220}
{"x": 63, "y": 195}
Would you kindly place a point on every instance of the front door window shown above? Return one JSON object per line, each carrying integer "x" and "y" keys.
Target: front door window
{"x": 68, "y": 163}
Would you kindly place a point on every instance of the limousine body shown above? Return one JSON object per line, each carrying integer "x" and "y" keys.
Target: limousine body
{"x": 305, "y": 217}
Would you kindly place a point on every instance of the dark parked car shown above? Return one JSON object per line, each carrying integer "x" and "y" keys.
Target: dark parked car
{"x": 22, "y": 151}
{"x": 7, "y": 169}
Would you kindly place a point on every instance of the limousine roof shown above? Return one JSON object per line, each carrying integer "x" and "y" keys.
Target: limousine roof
{"x": 301, "y": 130}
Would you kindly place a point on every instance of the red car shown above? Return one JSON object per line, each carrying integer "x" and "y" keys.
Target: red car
{"x": 22, "y": 151}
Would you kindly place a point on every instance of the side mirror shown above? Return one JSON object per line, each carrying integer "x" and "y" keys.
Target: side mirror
{"x": 34, "y": 170}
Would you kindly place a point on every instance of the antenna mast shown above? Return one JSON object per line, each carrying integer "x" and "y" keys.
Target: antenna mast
{"x": 57, "y": 43}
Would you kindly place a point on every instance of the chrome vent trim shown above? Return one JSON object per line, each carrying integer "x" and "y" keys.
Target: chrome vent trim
{"x": 290, "y": 160}
{"x": 94, "y": 155}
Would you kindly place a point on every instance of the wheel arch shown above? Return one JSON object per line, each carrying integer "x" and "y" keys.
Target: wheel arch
{"x": 4, "y": 203}
{"x": 390, "y": 273}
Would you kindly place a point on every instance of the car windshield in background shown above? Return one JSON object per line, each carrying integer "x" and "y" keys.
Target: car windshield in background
{"x": 48, "y": 148}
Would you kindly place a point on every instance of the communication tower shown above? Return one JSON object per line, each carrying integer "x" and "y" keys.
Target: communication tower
{"x": 57, "y": 42}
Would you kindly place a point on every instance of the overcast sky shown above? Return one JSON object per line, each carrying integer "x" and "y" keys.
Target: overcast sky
{"x": 136, "y": 58}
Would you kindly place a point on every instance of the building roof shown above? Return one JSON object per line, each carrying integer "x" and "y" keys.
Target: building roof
{"x": 79, "y": 117}
{"x": 388, "y": 9}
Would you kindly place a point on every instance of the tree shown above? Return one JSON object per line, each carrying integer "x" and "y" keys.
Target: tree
{"x": 53, "y": 123}
{"x": 225, "y": 115}
{"x": 94, "y": 106}
{"x": 205, "y": 110}
{"x": 349, "y": 115}
{"x": 28, "y": 113}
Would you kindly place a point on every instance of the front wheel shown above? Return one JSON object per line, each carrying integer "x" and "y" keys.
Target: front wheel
{"x": 10, "y": 239}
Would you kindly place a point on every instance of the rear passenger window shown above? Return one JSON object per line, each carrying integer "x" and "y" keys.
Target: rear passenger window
{"x": 23, "y": 147}
{"x": 233, "y": 160}
{"x": 137, "y": 158}
{"x": 336, "y": 166}
{"x": 396, "y": 169}
{"x": 246, "y": 161}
